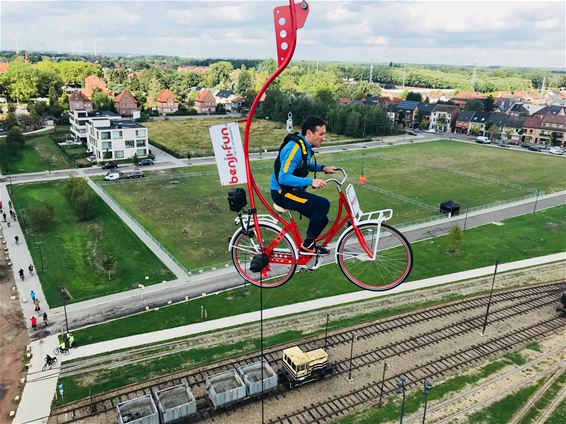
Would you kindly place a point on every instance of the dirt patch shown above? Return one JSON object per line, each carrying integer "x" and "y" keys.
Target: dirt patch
{"x": 13, "y": 341}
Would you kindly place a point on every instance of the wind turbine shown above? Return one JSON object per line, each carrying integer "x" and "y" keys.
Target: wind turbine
{"x": 15, "y": 37}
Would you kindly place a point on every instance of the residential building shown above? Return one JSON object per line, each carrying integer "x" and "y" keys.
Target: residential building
{"x": 166, "y": 102}
{"x": 231, "y": 101}
{"x": 125, "y": 103}
{"x": 443, "y": 117}
{"x": 514, "y": 128}
{"x": 92, "y": 82}
{"x": 116, "y": 139}
{"x": 79, "y": 118}
{"x": 205, "y": 102}
{"x": 540, "y": 129}
{"x": 424, "y": 111}
{"x": 406, "y": 112}
{"x": 478, "y": 122}
{"x": 462, "y": 125}
{"x": 499, "y": 119}
{"x": 78, "y": 101}
{"x": 551, "y": 110}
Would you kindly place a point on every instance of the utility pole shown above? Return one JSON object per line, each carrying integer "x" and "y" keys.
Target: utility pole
{"x": 371, "y": 74}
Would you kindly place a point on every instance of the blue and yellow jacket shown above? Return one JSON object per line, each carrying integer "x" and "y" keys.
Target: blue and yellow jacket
{"x": 291, "y": 158}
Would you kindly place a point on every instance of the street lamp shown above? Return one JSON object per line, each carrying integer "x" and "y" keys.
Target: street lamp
{"x": 385, "y": 366}
{"x": 39, "y": 246}
{"x": 427, "y": 385}
{"x": 326, "y": 331}
{"x": 401, "y": 390}
{"x": 65, "y": 297}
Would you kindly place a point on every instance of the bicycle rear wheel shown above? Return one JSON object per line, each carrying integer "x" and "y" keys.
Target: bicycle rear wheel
{"x": 282, "y": 260}
{"x": 391, "y": 266}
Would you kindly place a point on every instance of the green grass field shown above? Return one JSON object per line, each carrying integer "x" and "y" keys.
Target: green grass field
{"x": 191, "y": 135}
{"x": 72, "y": 252}
{"x": 187, "y": 211}
{"x": 522, "y": 237}
{"x": 39, "y": 154}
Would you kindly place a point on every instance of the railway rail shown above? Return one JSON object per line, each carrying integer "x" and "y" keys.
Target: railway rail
{"x": 522, "y": 300}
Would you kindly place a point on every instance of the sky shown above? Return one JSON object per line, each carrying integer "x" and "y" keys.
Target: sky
{"x": 487, "y": 33}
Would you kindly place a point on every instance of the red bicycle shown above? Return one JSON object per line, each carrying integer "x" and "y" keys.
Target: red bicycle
{"x": 370, "y": 253}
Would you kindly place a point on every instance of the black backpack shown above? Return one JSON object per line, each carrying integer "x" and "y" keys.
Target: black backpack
{"x": 301, "y": 171}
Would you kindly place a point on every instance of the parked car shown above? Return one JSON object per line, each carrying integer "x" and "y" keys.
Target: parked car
{"x": 146, "y": 162}
{"x": 110, "y": 165}
{"x": 536, "y": 148}
{"x": 483, "y": 140}
{"x": 513, "y": 142}
{"x": 411, "y": 132}
{"x": 526, "y": 145}
{"x": 556, "y": 151}
{"x": 431, "y": 131}
{"x": 134, "y": 173}
{"x": 502, "y": 144}
{"x": 112, "y": 176}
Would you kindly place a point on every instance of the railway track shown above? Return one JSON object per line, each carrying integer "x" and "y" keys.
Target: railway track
{"x": 523, "y": 300}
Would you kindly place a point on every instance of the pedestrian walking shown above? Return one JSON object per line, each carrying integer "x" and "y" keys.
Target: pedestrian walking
{"x": 32, "y": 295}
{"x": 37, "y": 307}
{"x": 4, "y": 216}
{"x": 34, "y": 323}
{"x": 45, "y": 319}
{"x": 17, "y": 239}
{"x": 21, "y": 272}
{"x": 30, "y": 269}
{"x": 8, "y": 224}
{"x": 9, "y": 204}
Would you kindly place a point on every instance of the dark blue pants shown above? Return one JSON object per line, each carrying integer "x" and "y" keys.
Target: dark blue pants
{"x": 313, "y": 207}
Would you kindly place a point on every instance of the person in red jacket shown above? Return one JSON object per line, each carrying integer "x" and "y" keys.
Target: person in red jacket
{"x": 33, "y": 322}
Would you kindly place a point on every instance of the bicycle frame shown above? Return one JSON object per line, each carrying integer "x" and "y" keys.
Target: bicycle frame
{"x": 345, "y": 214}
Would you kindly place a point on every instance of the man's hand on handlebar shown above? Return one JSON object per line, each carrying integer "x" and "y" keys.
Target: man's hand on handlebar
{"x": 329, "y": 169}
{"x": 318, "y": 183}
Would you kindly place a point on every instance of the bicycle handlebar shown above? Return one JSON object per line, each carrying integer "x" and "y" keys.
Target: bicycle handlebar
{"x": 341, "y": 182}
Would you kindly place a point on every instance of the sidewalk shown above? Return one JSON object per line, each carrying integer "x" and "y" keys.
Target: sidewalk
{"x": 21, "y": 258}
{"x": 35, "y": 403}
{"x": 191, "y": 329}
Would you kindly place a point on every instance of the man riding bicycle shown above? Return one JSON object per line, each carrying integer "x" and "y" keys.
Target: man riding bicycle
{"x": 49, "y": 360}
{"x": 290, "y": 180}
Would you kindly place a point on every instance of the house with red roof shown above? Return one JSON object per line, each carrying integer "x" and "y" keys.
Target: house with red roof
{"x": 125, "y": 103}
{"x": 4, "y": 67}
{"x": 166, "y": 102}
{"x": 92, "y": 82}
{"x": 78, "y": 101}
{"x": 205, "y": 102}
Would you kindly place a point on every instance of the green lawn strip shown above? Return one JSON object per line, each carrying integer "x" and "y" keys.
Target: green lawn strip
{"x": 39, "y": 154}
{"x": 559, "y": 414}
{"x": 176, "y": 206}
{"x": 415, "y": 400}
{"x": 72, "y": 252}
{"x": 102, "y": 381}
{"x": 192, "y": 135}
{"x": 545, "y": 400}
{"x": 502, "y": 410}
{"x": 516, "y": 358}
{"x": 534, "y": 346}
{"x": 522, "y": 237}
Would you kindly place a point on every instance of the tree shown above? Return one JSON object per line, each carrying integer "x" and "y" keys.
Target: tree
{"x": 21, "y": 80}
{"x": 508, "y": 133}
{"x": 475, "y": 129}
{"x": 135, "y": 159}
{"x": 441, "y": 123}
{"x": 219, "y": 74}
{"x": 245, "y": 81}
{"x": 474, "y": 104}
{"x": 81, "y": 198}
{"x": 417, "y": 97}
{"x": 488, "y": 104}
{"x": 494, "y": 130}
{"x": 109, "y": 265}
{"x": 455, "y": 237}
{"x": 15, "y": 138}
{"x": 101, "y": 100}
{"x": 40, "y": 216}
{"x": 554, "y": 141}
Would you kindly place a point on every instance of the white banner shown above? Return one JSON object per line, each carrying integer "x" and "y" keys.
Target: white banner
{"x": 229, "y": 153}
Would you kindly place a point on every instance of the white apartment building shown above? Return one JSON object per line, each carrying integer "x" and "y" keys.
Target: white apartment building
{"x": 79, "y": 117}
{"x": 116, "y": 139}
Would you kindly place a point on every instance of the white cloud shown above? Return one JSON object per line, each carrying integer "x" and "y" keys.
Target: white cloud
{"x": 515, "y": 33}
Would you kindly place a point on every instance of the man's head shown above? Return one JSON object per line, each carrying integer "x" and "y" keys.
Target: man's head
{"x": 314, "y": 130}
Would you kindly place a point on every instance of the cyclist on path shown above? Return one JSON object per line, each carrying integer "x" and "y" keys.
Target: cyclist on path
{"x": 290, "y": 180}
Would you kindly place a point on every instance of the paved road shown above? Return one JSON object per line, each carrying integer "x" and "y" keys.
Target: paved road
{"x": 127, "y": 303}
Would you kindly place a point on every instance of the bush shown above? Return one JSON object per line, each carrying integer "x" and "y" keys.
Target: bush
{"x": 41, "y": 216}
{"x": 81, "y": 198}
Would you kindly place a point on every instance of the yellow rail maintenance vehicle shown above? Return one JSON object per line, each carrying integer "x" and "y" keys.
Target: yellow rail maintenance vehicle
{"x": 300, "y": 367}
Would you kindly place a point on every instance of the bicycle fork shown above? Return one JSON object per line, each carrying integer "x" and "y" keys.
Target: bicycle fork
{"x": 371, "y": 251}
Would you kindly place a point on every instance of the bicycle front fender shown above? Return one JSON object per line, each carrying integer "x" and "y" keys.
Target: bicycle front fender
{"x": 349, "y": 229}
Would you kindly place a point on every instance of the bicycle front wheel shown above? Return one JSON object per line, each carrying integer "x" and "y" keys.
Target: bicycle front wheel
{"x": 282, "y": 259}
{"x": 393, "y": 260}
